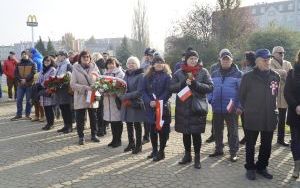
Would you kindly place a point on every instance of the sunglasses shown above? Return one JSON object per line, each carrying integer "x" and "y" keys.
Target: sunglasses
{"x": 281, "y": 53}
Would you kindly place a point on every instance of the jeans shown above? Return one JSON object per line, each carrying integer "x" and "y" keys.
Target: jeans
{"x": 21, "y": 91}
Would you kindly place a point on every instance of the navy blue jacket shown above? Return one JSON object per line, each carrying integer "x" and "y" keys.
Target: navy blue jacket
{"x": 158, "y": 84}
{"x": 226, "y": 87}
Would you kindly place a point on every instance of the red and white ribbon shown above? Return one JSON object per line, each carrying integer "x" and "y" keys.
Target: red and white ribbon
{"x": 274, "y": 87}
{"x": 158, "y": 113}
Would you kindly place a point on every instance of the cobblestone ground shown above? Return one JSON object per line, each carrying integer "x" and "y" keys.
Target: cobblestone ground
{"x": 30, "y": 157}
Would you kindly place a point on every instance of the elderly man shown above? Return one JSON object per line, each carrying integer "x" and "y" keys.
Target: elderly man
{"x": 258, "y": 92}
{"x": 282, "y": 67}
{"x": 225, "y": 103}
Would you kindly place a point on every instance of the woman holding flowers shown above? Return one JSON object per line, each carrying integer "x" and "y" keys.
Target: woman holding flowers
{"x": 83, "y": 77}
{"x": 112, "y": 103}
{"x": 190, "y": 120}
{"x": 46, "y": 99}
{"x": 62, "y": 96}
{"x": 156, "y": 89}
{"x": 132, "y": 111}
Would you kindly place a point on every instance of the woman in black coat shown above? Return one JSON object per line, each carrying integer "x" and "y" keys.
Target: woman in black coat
{"x": 292, "y": 96}
{"x": 188, "y": 120}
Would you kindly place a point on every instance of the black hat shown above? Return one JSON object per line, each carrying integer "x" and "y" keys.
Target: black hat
{"x": 62, "y": 53}
{"x": 12, "y": 53}
{"x": 190, "y": 53}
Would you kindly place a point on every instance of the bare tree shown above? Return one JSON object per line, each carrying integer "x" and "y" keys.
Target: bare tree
{"x": 140, "y": 28}
{"x": 232, "y": 24}
{"x": 68, "y": 41}
{"x": 198, "y": 23}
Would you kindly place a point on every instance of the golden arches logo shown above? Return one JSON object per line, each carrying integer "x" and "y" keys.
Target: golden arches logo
{"x": 31, "y": 21}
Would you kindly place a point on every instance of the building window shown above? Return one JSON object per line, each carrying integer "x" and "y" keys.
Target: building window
{"x": 253, "y": 11}
{"x": 262, "y": 9}
{"x": 290, "y": 6}
{"x": 280, "y": 8}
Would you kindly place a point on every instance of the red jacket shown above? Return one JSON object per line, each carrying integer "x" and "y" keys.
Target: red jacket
{"x": 9, "y": 68}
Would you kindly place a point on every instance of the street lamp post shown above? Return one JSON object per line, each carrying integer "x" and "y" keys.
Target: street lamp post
{"x": 32, "y": 22}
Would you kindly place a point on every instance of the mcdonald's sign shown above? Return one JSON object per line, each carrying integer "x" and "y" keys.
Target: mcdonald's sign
{"x": 31, "y": 21}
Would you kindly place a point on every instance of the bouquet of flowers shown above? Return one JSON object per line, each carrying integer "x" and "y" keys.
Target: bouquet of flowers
{"x": 56, "y": 82}
{"x": 110, "y": 85}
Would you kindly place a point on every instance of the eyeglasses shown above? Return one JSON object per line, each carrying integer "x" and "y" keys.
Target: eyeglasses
{"x": 86, "y": 56}
{"x": 281, "y": 53}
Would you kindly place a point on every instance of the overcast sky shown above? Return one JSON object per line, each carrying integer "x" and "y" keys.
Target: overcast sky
{"x": 84, "y": 18}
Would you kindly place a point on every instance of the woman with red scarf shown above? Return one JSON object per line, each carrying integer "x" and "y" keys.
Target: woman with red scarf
{"x": 192, "y": 83}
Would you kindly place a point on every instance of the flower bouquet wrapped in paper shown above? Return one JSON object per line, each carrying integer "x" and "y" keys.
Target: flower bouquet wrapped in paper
{"x": 56, "y": 82}
{"x": 110, "y": 85}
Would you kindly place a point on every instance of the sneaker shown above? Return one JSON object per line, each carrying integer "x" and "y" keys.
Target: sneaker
{"x": 283, "y": 143}
{"x": 264, "y": 173}
{"x": 233, "y": 158}
{"x": 251, "y": 175}
{"x": 216, "y": 154}
{"x": 16, "y": 118}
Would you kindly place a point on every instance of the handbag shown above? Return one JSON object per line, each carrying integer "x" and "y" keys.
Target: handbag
{"x": 138, "y": 104}
{"x": 199, "y": 105}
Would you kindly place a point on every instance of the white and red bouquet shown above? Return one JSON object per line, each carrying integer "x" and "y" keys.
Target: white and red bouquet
{"x": 110, "y": 85}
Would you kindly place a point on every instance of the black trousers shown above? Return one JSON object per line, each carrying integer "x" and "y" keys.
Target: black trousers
{"x": 281, "y": 124}
{"x": 80, "y": 115}
{"x": 49, "y": 113}
{"x": 101, "y": 125}
{"x": 188, "y": 143}
{"x": 66, "y": 114}
{"x": 116, "y": 130}
{"x": 163, "y": 137}
{"x": 295, "y": 144}
{"x": 138, "y": 133}
{"x": 264, "y": 149}
{"x": 146, "y": 131}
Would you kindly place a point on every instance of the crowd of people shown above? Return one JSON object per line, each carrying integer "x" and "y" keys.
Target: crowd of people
{"x": 263, "y": 93}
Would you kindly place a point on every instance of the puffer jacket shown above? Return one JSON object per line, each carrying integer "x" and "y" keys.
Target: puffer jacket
{"x": 226, "y": 87}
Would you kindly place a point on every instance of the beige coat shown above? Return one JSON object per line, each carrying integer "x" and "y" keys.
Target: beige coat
{"x": 110, "y": 110}
{"x": 282, "y": 71}
{"x": 80, "y": 85}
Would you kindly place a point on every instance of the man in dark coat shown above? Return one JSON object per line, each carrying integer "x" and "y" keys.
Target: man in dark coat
{"x": 258, "y": 92}
{"x": 24, "y": 74}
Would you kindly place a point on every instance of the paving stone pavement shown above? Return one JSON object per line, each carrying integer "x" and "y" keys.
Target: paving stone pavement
{"x": 30, "y": 157}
